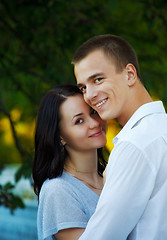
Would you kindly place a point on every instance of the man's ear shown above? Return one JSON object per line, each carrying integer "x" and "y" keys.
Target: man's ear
{"x": 131, "y": 74}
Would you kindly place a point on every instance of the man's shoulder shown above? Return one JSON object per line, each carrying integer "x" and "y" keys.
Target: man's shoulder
{"x": 147, "y": 130}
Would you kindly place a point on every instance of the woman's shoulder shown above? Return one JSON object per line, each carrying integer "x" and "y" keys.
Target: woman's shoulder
{"x": 60, "y": 189}
{"x": 55, "y": 183}
{"x": 66, "y": 186}
{"x": 63, "y": 183}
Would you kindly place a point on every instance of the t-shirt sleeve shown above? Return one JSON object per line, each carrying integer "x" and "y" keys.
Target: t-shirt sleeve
{"x": 59, "y": 208}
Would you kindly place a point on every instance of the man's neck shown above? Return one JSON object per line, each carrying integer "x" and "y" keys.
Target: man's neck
{"x": 138, "y": 97}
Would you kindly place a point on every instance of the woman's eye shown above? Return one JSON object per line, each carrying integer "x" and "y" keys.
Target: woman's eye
{"x": 97, "y": 80}
{"x": 93, "y": 112}
{"x": 79, "y": 121}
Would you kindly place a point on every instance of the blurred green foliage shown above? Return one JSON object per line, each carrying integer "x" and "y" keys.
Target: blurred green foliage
{"x": 38, "y": 39}
{"x": 8, "y": 199}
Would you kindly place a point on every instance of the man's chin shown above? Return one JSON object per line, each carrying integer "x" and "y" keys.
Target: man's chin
{"x": 103, "y": 116}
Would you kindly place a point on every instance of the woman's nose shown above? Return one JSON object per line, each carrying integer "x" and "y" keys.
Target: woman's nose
{"x": 93, "y": 123}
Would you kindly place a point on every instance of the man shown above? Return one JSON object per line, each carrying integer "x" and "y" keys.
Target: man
{"x": 133, "y": 203}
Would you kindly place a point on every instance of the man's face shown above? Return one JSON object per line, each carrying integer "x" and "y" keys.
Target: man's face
{"x": 104, "y": 88}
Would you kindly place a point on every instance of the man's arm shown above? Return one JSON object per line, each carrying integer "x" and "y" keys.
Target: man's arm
{"x": 128, "y": 187}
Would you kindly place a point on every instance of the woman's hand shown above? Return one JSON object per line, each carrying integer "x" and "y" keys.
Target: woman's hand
{"x": 69, "y": 234}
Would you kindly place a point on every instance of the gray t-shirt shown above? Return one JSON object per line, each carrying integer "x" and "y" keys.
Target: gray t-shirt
{"x": 64, "y": 202}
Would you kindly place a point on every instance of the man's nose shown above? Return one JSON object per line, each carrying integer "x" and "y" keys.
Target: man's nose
{"x": 90, "y": 94}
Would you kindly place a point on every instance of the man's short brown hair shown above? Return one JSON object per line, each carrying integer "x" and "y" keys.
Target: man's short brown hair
{"x": 113, "y": 46}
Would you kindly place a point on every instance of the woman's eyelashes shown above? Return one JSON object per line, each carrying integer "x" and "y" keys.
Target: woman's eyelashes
{"x": 78, "y": 121}
{"x": 81, "y": 120}
{"x": 93, "y": 111}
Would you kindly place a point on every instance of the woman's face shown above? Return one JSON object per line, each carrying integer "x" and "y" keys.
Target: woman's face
{"x": 81, "y": 128}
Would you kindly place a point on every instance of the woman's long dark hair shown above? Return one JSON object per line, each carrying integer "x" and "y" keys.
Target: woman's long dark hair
{"x": 50, "y": 155}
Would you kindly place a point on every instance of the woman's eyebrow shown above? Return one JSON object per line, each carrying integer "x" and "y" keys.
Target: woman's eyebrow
{"x": 76, "y": 115}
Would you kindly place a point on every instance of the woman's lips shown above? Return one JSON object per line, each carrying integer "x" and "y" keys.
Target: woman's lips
{"x": 96, "y": 134}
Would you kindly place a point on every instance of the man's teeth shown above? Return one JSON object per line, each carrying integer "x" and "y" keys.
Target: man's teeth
{"x": 99, "y": 104}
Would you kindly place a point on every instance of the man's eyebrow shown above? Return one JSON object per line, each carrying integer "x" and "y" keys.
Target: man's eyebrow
{"x": 93, "y": 76}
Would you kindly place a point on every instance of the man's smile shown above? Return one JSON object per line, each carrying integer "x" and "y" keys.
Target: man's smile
{"x": 99, "y": 104}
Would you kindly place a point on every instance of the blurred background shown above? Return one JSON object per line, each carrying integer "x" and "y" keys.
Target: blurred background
{"x": 37, "y": 43}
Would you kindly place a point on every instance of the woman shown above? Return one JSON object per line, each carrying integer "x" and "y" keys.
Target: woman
{"x": 68, "y": 168}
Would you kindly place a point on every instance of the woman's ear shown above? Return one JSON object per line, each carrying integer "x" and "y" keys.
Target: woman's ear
{"x": 63, "y": 142}
{"x": 131, "y": 73}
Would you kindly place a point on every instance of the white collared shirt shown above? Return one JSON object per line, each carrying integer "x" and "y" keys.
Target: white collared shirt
{"x": 133, "y": 203}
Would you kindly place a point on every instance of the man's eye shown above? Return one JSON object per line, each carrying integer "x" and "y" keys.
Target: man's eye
{"x": 97, "y": 80}
{"x": 83, "y": 89}
{"x": 79, "y": 121}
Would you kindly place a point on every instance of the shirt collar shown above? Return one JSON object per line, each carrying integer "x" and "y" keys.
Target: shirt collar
{"x": 141, "y": 112}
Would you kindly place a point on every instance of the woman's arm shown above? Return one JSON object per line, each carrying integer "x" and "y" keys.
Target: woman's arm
{"x": 69, "y": 234}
